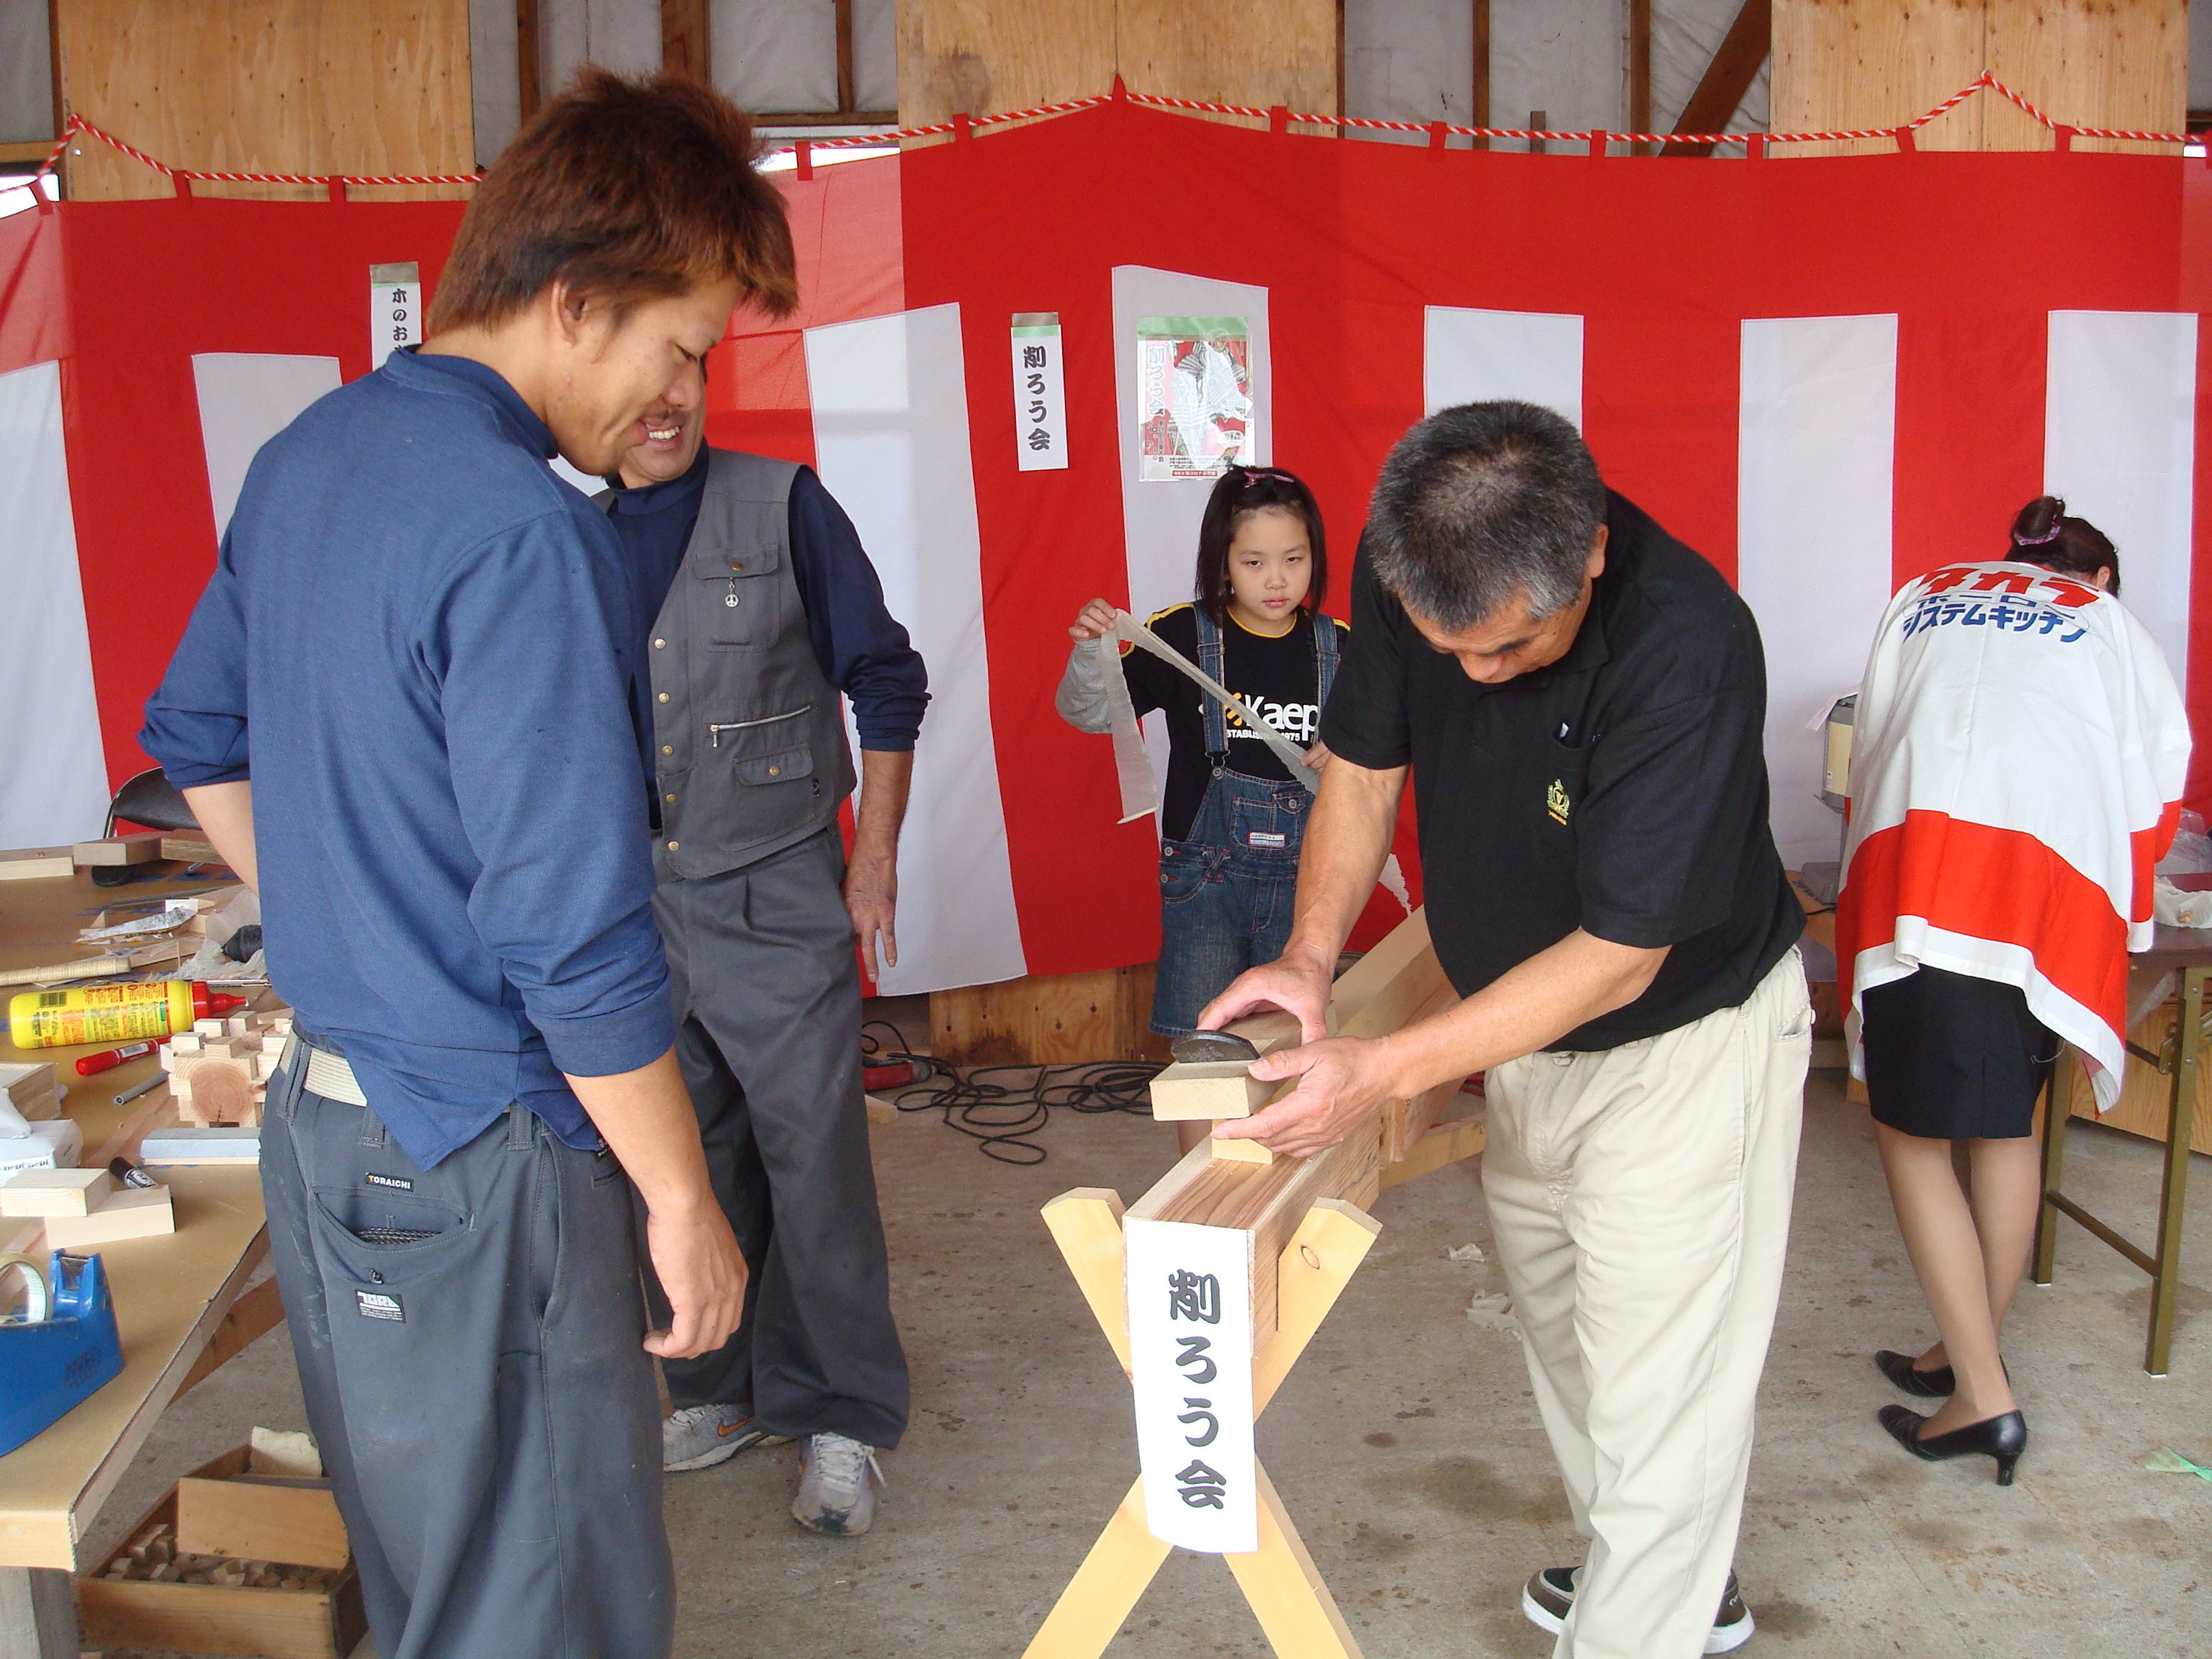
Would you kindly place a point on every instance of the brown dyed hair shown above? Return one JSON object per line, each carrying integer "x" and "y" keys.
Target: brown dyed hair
{"x": 625, "y": 190}
{"x": 2043, "y": 534}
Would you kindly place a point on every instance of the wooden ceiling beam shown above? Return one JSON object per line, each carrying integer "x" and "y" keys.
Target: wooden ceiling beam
{"x": 1729, "y": 77}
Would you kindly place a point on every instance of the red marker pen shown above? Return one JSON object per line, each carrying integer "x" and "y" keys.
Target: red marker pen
{"x": 111, "y": 1058}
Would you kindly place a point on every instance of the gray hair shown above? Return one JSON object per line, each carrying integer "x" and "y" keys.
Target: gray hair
{"x": 1481, "y": 502}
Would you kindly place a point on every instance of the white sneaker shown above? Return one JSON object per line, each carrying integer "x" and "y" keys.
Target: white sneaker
{"x": 837, "y": 1478}
{"x": 699, "y": 1437}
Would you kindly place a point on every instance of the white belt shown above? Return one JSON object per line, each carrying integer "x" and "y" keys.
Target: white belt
{"x": 329, "y": 1076}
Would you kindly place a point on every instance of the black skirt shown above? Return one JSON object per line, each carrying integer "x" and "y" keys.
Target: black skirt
{"x": 1950, "y": 1057}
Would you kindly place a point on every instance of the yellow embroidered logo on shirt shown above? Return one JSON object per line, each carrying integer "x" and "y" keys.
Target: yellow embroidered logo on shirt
{"x": 1556, "y": 802}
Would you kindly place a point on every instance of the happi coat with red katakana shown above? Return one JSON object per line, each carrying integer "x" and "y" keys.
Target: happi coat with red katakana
{"x": 2016, "y": 772}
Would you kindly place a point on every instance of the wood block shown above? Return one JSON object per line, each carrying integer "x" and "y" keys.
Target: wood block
{"x": 1239, "y": 1151}
{"x": 190, "y": 849}
{"x": 34, "y": 1088}
{"x": 1446, "y": 1143}
{"x": 260, "y": 1518}
{"x": 56, "y": 1193}
{"x": 879, "y": 1110}
{"x": 131, "y": 1212}
{"x": 37, "y": 864}
{"x": 1190, "y": 1090}
{"x": 214, "y": 1091}
{"x": 142, "y": 848}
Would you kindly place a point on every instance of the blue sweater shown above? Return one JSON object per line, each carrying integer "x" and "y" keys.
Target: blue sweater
{"x": 418, "y": 643}
{"x": 863, "y": 650}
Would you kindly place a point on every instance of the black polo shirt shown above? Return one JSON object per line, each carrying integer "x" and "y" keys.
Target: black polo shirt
{"x": 1621, "y": 790}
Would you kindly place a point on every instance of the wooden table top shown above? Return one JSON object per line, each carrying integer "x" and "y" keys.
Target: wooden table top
{"x": 170, "y": 1293}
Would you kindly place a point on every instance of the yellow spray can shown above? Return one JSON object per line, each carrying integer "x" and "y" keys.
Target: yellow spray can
{"x": 112, "y": 1013}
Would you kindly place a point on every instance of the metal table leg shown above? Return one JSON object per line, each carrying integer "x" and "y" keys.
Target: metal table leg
{"x": 2173, "y": 1194}
{"x": 38, "y": 1613}
{"x": 2057, "y": 1107}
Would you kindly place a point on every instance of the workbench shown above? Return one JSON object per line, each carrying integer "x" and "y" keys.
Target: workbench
{"x": 184, "y": 1304}
{"x": 2170, "y": 1069}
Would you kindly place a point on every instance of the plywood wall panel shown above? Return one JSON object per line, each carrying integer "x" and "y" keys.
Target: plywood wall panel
{"x": 1257, "y": 52}
{"x": 1877, "y": 63}
{"x": 267, "y": 86}
{"x": 978, "y": 56}
{"x": 1840, "y": 64}
{"x": 2090, "y": 62}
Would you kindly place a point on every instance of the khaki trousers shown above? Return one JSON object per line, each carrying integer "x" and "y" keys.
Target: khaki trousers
{"x": 1640, "y": 1202}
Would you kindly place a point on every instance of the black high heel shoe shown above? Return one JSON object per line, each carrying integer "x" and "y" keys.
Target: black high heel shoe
{"x": 2004, "y": 1439}
{"x": 1927, "y": 1385}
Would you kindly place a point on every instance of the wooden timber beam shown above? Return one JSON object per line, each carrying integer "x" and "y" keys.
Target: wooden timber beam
{"x": 685, "y": 43}
{"x": 1729, "y": 77}
{"x": 529, "y": 58}
{"x": 1393, "y": 984}
{"x": 1479, "y": 104}
{"x": 1639, "y": 68}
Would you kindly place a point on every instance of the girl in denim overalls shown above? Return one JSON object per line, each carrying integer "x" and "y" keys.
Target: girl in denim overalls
{"x": 1234, "y": 819}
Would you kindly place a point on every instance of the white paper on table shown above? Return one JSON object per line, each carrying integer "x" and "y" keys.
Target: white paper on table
{"x": 1189, "y": 1292}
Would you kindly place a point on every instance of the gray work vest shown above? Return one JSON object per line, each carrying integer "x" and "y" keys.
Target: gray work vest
{"x": 748, "y": 735}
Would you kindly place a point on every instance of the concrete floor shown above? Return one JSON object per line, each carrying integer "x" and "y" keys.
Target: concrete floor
{"x": 1408, "y": 1450}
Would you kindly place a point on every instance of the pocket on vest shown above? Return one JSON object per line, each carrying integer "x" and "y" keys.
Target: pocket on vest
{"x": 784, "y": 766}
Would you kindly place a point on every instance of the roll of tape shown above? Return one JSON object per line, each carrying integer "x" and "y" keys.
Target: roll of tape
{"x": 38, "y": 1295}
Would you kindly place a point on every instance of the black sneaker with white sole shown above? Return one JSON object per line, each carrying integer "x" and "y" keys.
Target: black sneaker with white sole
{"x": 1549, "y": 1597}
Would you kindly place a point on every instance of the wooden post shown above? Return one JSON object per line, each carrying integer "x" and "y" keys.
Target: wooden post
{"x": 38, "y": 1613}
{"x": 685, "y": 43}
{"x": 845, "y": 95}
{"x": 529, "y": 58}
{"x": 1639, "y": 70}
{"x": 1479, "y": 104}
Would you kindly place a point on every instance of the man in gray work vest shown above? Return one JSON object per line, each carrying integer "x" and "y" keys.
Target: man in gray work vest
{"x": 762, "y": 608}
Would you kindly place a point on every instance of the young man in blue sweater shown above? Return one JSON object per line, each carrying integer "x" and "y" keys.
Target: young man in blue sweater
{"x": 401, "y": 711}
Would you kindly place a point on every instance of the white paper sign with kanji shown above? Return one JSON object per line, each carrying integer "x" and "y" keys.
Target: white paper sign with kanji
{"x": 395, "y": 309}
{"x": 1190, "y": 1367}
{"x": 1040, "y": 399}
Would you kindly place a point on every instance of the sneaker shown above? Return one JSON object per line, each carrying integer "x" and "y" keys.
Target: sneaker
{"x": 838, "y": 1481}
{"x": 699, "y": 1437}
{"x": 1548, "y": 1597}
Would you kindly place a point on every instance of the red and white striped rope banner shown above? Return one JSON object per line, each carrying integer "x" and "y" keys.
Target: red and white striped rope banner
{"x": 960, "y": 126}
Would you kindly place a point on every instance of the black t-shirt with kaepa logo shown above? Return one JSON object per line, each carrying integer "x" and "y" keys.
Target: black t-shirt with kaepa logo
{"x": 1279, "y": 677}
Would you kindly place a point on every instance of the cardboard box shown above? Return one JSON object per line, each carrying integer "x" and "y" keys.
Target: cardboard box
{"x": 55, "y": 1144}
{"x": 274, "y": 1623}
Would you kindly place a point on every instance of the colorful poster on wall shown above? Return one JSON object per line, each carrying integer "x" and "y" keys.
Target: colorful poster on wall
{"x": 1195, "y": 396}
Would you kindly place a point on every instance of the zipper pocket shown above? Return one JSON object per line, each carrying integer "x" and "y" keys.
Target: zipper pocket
{"x": 714, "y": 733}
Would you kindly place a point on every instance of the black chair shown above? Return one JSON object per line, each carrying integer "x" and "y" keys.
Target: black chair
{"x": 148, "y": 800}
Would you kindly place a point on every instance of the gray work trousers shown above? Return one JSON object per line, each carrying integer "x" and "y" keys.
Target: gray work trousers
{"x": 768, "y": 1011}
{"x": 481, "y": 1396}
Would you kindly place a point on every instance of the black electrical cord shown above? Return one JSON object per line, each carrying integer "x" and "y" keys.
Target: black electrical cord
{"x": 1001, "y": 1107}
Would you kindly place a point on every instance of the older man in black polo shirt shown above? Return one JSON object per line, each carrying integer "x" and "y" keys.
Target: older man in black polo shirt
{"x": 1581, "y": 699}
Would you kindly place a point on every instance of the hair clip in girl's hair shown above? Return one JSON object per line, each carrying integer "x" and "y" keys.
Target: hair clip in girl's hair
{"x": 2057, "y": 527}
